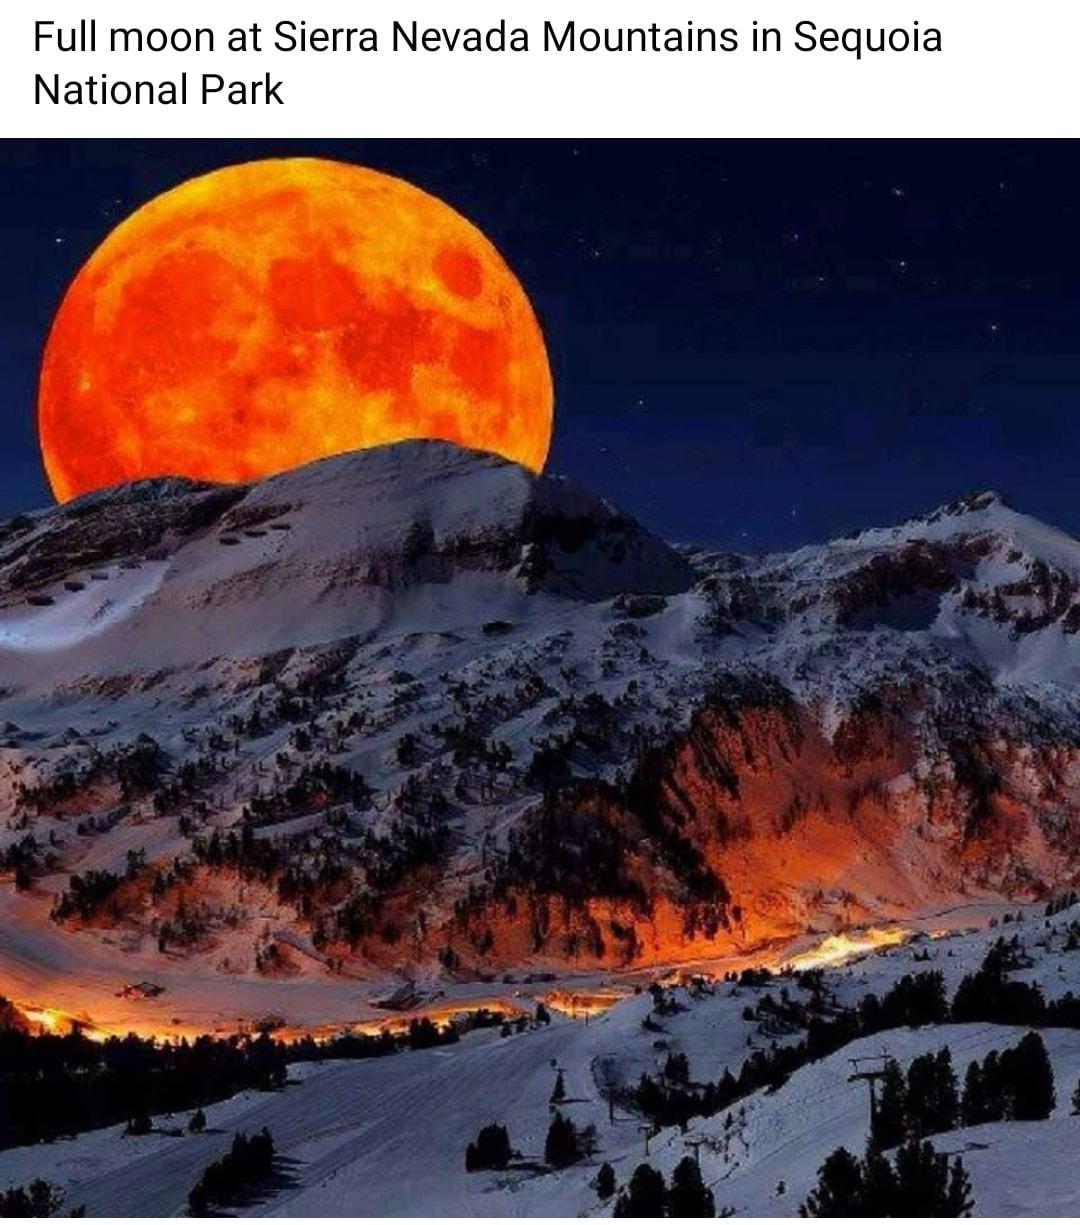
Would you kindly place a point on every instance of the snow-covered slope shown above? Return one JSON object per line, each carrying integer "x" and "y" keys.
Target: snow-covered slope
{"x": 417, "y": 714}
{"x": 421, "y": 535}
{"x": 975, "y": 581}
{"x": 387, "y": 1136}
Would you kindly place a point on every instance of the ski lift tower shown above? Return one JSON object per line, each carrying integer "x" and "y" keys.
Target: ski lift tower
{"x": 648, "y": 1130}
{"x": 694, "y": 1143}
{"x": 870, "y": 1069}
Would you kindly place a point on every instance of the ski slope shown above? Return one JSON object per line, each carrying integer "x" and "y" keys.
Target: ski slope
{"x": 386, "y": 1137}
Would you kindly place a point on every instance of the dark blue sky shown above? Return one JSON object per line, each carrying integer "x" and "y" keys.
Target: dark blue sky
{"x": 755, "y": 344}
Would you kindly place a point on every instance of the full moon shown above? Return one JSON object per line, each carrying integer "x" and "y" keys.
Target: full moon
{"x": 271, "y": 313}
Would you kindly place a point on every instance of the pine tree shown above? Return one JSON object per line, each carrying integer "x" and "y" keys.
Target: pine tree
{"x": 198, "y": 1201}
{"x": 879, "y": 1185}
{"x": 197, "y": 1121}
{"x": 925, "y": 1186}
{"x": 994, "y": 1089}
{"x": 677, "y": 1069}
{"x": 37, "y": 1199}
{"x": 565, "y": 1144}
{"x": 646, "y": 1196}
{"x": 490, "y": 1150}
{"x": 888, "y": 1123}
{"x": 974, "y": 1107}
{"x": 932, "y": 1103}
{"x": 946, "y": 1092}
{"x": 605, "y": 1181}
{"x": 840, "y": 1190}
{"x": 958, "y": 1197}
{"x": 919, "y": 1184}
{"x": 1031, "y": 1078}
{"x": 921, "y": 1179}
{"x": 248, "y": 1162}
{"x": 558, "y": 1094}
{"x": 689, "y": 1197}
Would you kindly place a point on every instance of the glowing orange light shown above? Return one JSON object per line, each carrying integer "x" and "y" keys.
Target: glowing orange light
{"x": 48, "y": 1018}
{"x": 271, "y": 313}
{"x": 587, "y": 1003}
{"x": 53, "y": 1021}
{"x": 843, "y": 946}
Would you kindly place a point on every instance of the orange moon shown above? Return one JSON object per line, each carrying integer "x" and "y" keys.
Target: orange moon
{"x": 271, "y": 313}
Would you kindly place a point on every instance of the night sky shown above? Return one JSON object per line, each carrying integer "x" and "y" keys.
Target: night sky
{"x": 754, "y": 344}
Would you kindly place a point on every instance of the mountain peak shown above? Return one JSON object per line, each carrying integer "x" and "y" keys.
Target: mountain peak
{"x": 971, "y": 503}
{"x": 436, "y": 506}
{"x": 413, "y": 535}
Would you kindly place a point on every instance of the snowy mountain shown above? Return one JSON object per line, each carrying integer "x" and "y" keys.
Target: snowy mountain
{"x": 419, "y": 536}
{"x": 416, "y": 715}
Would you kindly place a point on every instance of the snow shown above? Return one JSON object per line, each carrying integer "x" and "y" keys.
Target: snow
{"x": 380, "y": 561}
{"x": 80, "y": 615}
{"x": 389, "y": 540}
{"x": 387, "y": 1136}
{"x": 384, "y": 567}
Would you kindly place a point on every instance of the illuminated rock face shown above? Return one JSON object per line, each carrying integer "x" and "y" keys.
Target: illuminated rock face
{"x": 417, "y": 710}
{"x": 753, "y": 827}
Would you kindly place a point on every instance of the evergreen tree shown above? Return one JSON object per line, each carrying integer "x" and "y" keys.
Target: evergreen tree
{"x": 915, "y": 999}
{"x": 605, "y": 1181}
{"x": 974, "y": 1106}
{"x": 677, "y": 1069}
{"x": 646, "y": 1196}
{"x": 879, "y": 1185}
{"x": 248, "y": 1162}
{"x": 197, "y": 1121}
{"x": 558, "y": 1094}
{"x": 889, "y": 1121}
{"x": 919, "y": 1184}
{"x": 840, "y": 1190}
{"x": 565, "y": 1144}
{"x": 490, "y": 1150}
{"x": 993, "y": 1089}
{"x": 925, "y": 1186}
{"x": 932, "y": 1102}
{"x": 37, "y": 1199}
{"x": 958, "y": 1197}
{"x": 990, "y": 995}
{"x": 198, "y": 1201}
{"x": 1030, "y": 1076}
{"x": 688, "y": 1196}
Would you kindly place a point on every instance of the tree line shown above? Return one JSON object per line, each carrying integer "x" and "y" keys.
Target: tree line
{"x": 55, "y": 1085}
{"x": 989, "y": 994}
{"x": 917, "y": 1182}
{"x": 1016, "y": 1084}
